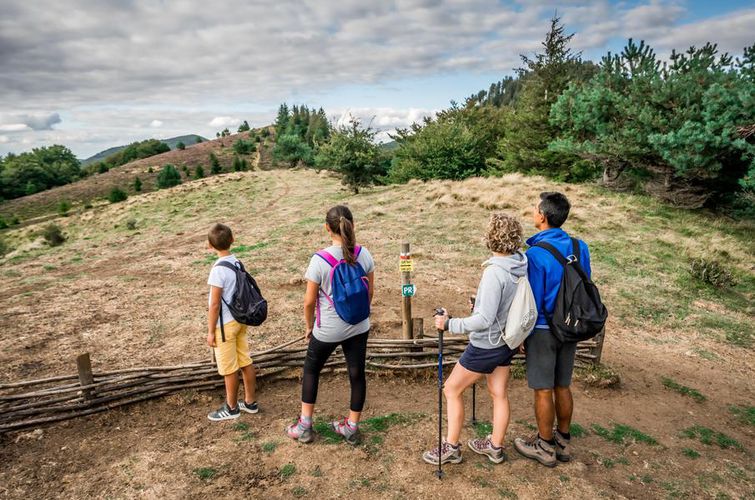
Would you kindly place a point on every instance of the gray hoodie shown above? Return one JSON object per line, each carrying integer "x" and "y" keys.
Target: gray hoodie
{"x": 494, "y": 296}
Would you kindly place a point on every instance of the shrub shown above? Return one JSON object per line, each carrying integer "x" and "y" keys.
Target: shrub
{"x": 197, "y": 140}
{"x": 711, "y": 272}
{"x": 87, "y": 206}
{"x": 291, "y": 148}
{"x": 63, "y": 207}
{"x": 239, "y": 164}
{"x": 150, "y": 170}
{"x": 244, "y": 127}
{"x": 15, "y": 221}
{"x": 137, "y": 184}
{"x": 4, "y": 249}
{"x": 116, "y": 195}
{"x": 243, "y": 147}
{"x": 3, "y": 223}
{"x": 180, "y": 145}
{"x": 198, "y": 172}
{"x": 53, "y": 235}
{"x": 102, "y": 168}
{"x": 214, "y": 164}
{"x": 353, "y": 153}
{"x": 168, "y": 177}
{"x": 131, "y": 224}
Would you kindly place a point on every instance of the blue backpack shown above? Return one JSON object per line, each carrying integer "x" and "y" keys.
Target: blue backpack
{"x": 349, "y": 289}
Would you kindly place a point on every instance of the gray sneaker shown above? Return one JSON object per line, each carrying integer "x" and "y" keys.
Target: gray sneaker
{"x": 563, "y": 449}
{"x": 536, "y": 449}
{"x": 300, "y": 432}
{"x": 342, "y": 428}
{"x": 448, "y": 454}
{"x": 485, "y": 447}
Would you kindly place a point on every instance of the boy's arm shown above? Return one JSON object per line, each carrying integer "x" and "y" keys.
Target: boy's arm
{"x": 212, "y": 316}
{"x": 310, "y": 298}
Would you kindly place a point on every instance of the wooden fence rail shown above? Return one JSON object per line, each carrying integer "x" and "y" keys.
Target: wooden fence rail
{"x": 31, "y": 403}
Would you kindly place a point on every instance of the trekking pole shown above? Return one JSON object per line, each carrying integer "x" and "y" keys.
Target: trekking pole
{"x": 472, "y": 300}
{"x": 439, "y": 472}
{"x": 474, "y": 404}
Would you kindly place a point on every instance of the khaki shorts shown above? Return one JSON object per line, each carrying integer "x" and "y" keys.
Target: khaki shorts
{"x": 233, "y": 354}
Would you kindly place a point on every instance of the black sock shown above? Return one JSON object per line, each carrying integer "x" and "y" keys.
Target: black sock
{"x": 551, "y": 441}
{"x": 565, "y": 435}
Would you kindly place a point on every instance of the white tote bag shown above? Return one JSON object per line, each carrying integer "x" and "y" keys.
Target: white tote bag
{"x": 522, "y": 315}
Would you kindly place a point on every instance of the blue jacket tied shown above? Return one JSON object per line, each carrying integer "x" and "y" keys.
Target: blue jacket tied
{"x": 545, "y": 272}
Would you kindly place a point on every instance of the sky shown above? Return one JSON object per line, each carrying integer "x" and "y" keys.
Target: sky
{"x": 91, "y": 74}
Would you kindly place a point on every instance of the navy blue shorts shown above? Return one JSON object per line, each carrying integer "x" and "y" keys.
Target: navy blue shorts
{"x": 486, "y": 361}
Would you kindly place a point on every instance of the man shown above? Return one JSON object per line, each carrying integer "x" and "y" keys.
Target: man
{"x": 550, "y": 363}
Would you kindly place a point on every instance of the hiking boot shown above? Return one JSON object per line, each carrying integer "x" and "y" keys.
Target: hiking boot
{"x": 485, "y": 447}
{"x": 537, "y": 449}
{"x": 350, "y": 434}
{"x": 249, "y": 407}
{"x": 224, "y": 413}
{"x": 448, "y": 454}
{"x": 300, "y": 432}
{"x": 563, "y": 449}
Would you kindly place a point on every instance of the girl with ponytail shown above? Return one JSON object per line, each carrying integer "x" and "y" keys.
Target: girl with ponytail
{"x": 327, "y": 328}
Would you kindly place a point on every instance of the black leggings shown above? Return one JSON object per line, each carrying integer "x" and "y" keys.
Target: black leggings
{"x": 354, "y": 349}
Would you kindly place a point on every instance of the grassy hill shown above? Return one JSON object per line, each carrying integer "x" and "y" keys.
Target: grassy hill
{"x": 129, "y": 287}
{"x": 186, "y": 139}
{"x": 94, "y": 189}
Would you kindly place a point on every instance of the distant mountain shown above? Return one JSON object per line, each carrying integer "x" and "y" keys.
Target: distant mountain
{"x": 188, "y": 140}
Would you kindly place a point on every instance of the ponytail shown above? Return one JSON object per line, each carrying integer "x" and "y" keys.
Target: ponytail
{"x": 348, "y": 240}
{"x": 341, "y": 222}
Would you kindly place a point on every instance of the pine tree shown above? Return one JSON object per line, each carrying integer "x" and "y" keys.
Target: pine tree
{"x": 198, "y": 172}
{"x": 137, "y": 184}
{"x": 214, "y": 165}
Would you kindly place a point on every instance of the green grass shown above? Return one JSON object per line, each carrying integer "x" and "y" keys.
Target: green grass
{"x": 623, "y": 434}
{"x": 745, "y": 414}
{"x": 518, "y": 372}
{"x": 269, "y": 447}
{"x": 205, "y": 473}
{"x": 240, "y": 426}
{"x": 710, "y": 356}
{"x": 243, "y": 250}
{"x": 483, "y": 428}
{"x": 367, "y": 426}
{"x": 577, "y": 430}
{"x": 287, "y": 471}
{"x": 690, "y": 453}
{"x": 683, "y": 390}
{"x": 298, "y": 492}
{"x": 709, "y": 437}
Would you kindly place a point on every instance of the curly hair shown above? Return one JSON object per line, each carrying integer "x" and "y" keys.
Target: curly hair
{"x": 504, "y": 234}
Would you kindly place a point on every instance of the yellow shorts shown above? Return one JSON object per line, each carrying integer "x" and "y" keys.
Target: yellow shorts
{"x": 233, "y": 354}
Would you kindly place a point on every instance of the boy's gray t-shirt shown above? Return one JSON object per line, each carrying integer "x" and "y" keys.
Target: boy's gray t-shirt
{"x": 332, "y": 328}
{"x": 224, "y": 278}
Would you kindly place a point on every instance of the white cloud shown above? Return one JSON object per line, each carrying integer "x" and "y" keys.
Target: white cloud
{"x": 155, "y": 124}
{"x": 107, "y": 65}
{"x": 4, "y": 139}
{"x": 383, "y": 120}
{"x": 224, "y": 121}
{"x": 14, "y": 127}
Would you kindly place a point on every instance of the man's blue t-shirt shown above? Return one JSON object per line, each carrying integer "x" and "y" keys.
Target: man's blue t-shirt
{"x": 545, "y": 272}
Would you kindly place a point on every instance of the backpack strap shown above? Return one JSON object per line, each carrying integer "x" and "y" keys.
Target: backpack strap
{"x": 552, "y": 250}
{"x": 327, "y": 257}
{"x": 232, "y": 267}
{"x": 357, "y": 251}
{"x": 575, "y": 248}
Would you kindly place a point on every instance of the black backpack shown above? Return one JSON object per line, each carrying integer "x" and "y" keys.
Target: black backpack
{"x": 579, "y": 313}
{"x": 247, "y": 306}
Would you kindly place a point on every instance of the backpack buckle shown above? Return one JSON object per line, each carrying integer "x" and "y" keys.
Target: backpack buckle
{"x": 571, "y": 259}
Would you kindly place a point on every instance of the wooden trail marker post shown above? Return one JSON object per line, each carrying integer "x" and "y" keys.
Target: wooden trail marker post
{"x": 86, "y": 377}
{"x": 406, "y": 266}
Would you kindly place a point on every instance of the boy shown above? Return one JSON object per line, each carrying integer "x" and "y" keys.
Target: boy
{"x": 550, "y": 363}
{"x": 233, "y": 354}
